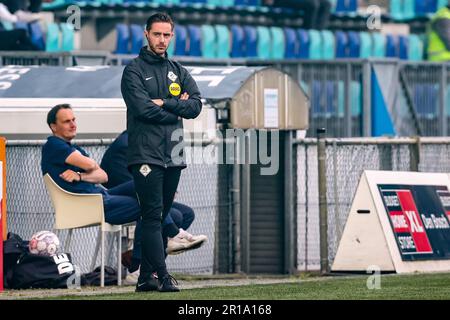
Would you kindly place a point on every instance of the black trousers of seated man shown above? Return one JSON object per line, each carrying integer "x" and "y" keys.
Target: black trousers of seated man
{"x": 156, "y": 191}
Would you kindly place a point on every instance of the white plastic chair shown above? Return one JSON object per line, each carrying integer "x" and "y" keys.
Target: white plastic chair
{"x": 74, "y": 211}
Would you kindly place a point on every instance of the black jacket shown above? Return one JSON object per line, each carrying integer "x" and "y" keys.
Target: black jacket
{"x": 149, "y": 126}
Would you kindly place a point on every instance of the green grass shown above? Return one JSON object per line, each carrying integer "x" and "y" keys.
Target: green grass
{"x": 410, "y": 287}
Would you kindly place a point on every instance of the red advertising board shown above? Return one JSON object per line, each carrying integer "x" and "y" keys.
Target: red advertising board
{"x": 419, "y": 217}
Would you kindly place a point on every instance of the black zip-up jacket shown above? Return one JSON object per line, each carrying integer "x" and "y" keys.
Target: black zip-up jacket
{"x": 149, "y": 126}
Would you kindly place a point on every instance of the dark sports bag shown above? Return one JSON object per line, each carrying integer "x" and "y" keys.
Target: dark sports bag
{"x": 33, "y": 271}
{"x": 93, "y": 278}
{"x": 23, "y": 270}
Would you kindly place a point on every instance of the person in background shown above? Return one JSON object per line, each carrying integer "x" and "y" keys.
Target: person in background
{"x": 316, "y": 12}
{"x": 17, "y": 39}
{"x": 439, "y": 36}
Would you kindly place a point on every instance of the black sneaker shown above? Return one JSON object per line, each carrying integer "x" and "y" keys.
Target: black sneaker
{"x": 144, "y": 285}
{"x": 167, "y": 284}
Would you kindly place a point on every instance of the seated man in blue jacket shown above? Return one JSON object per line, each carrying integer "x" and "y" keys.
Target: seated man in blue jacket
{"x": 180, "y": 216}
{"x": 73, "y": 170}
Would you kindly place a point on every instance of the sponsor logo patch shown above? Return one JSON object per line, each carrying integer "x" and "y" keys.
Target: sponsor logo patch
{"x": 175, "y": 89}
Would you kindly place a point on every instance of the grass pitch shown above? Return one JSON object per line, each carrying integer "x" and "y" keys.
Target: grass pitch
{"x": 402, "y": 287}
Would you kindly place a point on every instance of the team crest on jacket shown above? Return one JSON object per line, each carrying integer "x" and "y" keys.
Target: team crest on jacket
{"x": 172, "y": 76}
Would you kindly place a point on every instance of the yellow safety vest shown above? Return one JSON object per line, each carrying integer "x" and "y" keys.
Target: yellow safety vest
{"x": 437, "y": 51}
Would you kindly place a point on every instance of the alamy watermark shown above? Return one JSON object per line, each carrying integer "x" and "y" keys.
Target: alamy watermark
{"x": 233, "y": 146}
{"x": 374, "y": 17}
{"x": 74, "y": 18}
{"x": 374, "y": 281}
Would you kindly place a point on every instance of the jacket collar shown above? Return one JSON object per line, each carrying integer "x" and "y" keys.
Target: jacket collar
{"x": 150, "y": 57}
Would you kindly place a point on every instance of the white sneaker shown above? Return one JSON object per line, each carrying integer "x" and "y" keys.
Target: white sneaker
{"x": 184, "y": 241}
{"x": 132, "y": 278}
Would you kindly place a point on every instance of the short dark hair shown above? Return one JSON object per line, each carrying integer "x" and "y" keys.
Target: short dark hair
{"x": 51, "y": 115}
{"x": 158, "y": 17}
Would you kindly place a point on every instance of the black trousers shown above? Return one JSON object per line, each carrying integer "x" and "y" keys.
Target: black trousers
{"x": 24, "y": 5}
{"x": 156, "y": 190}
{"x": 316, "y": 12}
{"x": 16, "y": 40}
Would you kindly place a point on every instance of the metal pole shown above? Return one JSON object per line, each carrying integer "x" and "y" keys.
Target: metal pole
{"x": 367, "y": 99}
{"x": 289, "y": 218}
{"x": 414, "y": 155}
{"x": 323, "y": 214}
{"x": 237, "y": 208}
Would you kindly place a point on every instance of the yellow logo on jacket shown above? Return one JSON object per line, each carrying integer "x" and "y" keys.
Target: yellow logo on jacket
{"x": 175, "y": 89}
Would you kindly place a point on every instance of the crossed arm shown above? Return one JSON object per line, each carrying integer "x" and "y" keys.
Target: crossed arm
{"x": 93, "y": 173}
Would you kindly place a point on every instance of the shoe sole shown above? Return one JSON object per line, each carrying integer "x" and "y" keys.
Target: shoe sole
{"x": 196, "y": 245}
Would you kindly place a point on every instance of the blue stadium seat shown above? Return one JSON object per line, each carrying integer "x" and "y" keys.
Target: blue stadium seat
{"x": 408, "y": 9}
{"x": 208, "y": 41}
{"x": 416, "y": 48}
{"x": 396, "y": 9}
{"x": 425, "y": 7}
{"x": 67, "y": 37}
{"x": 341, "y": 44}
{"x": 354, "y": 44}
{"x": 195, "y": 36}
{"x": 341, "y": 98}
{"x": 426, "y": 97}
{"x": 328, "y": 45}
{"x": 441, "y": 4}
{"x": 180, "y": 40}
{"x": 251, "y": 42}
{"x": 278, "y": 43}
{"x": 52, "y": 38}
{"x": 123, "y": 39}
{"x": 253, "y": 3}
{"x": 170, "y": 48}
{"x": 391, "y": 46}
{"x": 137, "y": 38}
{"x": 346, "y": 6}
{"x": 356, "y": 98}
{"x": 330, "y": 94}
{"x": 37, "y": 35}
{"x": 379, "y": 45}
{"x": 226, "y": 3}
{"x": 223, "y": 42}
{"x": 303, "y": 44}
{"x": 315, "y": 45}
{"x": 264, "y": 42}
{"x": 193, "y": 1}
{"x": 317, "y": 107}
{"x": 237, "y": 41}
{"x": 291, "y": 44}
{"x": 366, "y": 45}
{"x": 403, "y": 47}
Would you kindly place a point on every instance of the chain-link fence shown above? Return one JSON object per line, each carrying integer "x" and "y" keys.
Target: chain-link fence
{"x": 30, "y": 210}
{"x": 428, "y": 90}
{"x": 346, "y": 160}
{"x": 335, "y": 89}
